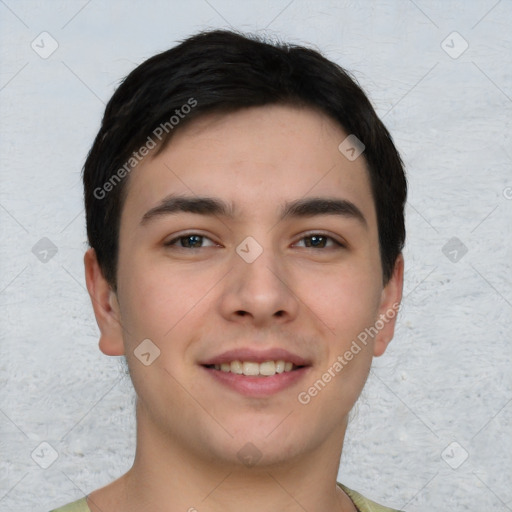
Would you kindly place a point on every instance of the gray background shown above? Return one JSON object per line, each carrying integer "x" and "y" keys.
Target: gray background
{"x": 443, "y": 390}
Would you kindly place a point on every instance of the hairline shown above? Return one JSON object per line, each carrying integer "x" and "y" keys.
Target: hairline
{"x": 220, "y": 111}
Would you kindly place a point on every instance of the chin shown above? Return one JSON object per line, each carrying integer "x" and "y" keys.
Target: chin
{"x": 264, "y": 448}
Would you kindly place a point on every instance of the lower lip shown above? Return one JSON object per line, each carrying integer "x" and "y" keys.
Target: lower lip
{"x": 258, "y": 386}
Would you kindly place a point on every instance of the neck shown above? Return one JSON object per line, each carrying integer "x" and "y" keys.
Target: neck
{"x": 168, "y": 477}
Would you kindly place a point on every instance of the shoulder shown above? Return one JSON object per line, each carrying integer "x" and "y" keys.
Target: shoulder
{"x": 76, "y": 506}
{"x": 364, "y": 504}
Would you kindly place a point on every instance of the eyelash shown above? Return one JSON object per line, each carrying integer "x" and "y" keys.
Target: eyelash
{"x": 172, "y": 242}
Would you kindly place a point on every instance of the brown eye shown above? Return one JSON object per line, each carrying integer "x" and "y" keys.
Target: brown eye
{"x": 315, "y": 241}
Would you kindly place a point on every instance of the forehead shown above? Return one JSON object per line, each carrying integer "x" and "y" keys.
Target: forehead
{"x": 256, "y": 160}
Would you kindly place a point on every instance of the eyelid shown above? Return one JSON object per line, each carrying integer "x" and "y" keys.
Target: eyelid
{"x": 175, "y": 238}
{"x": 340, "y": 242}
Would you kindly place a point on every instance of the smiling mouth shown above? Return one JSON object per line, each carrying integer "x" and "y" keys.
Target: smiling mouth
{"x": 254, "y": 369}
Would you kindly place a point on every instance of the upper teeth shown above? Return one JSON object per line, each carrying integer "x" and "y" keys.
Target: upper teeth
{"x": 266, "y": 368}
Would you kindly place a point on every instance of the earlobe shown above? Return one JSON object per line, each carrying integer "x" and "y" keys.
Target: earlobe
{"x": 105, "y": 306}
{"x": 388, "y": 310}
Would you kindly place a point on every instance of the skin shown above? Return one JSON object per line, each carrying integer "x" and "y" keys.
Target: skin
{"x": 196, "y": 303}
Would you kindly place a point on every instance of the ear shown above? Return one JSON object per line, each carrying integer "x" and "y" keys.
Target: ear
{"x": 388, "y": 309}
{"x": 105, "y": 305}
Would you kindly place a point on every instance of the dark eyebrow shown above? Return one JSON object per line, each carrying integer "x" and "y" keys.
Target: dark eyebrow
{"x": 200, "y": 205}
{"x": 312, "y": 206}
{"x": 308, "y": 207}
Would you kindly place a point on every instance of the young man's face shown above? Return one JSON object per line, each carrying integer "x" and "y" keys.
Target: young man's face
{"x": 249, "y": 285}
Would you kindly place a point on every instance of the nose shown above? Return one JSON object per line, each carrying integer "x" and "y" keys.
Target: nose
{"x": 259, "y": 292}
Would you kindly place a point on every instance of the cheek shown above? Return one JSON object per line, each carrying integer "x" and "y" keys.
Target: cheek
{"x": 344, "y": 299}
{"x": 160, "y": 302}
{"x": 159, "y": 306}
{"x": 348, "y": 308}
